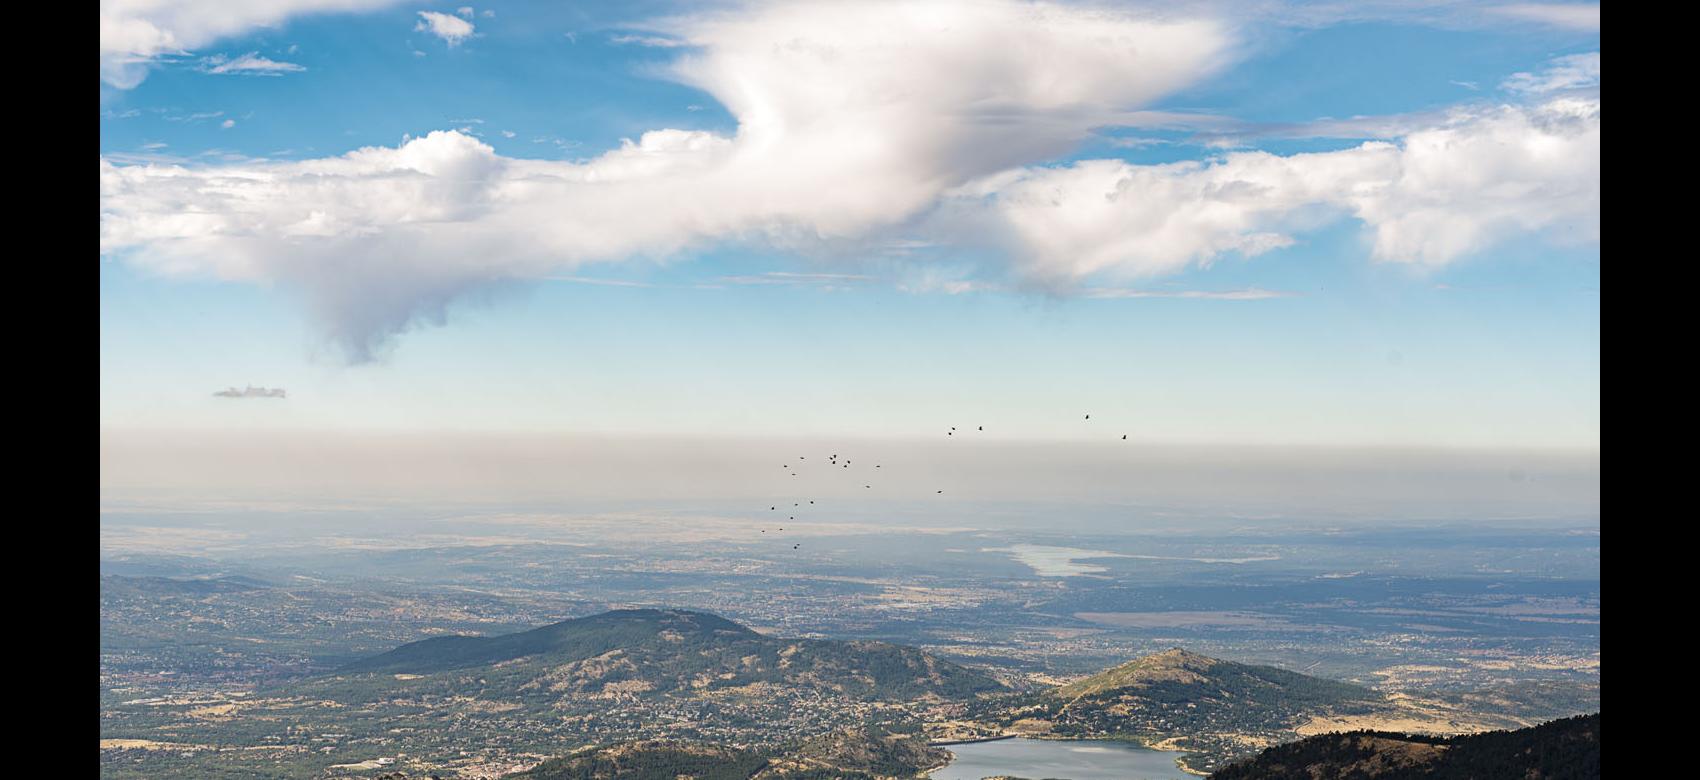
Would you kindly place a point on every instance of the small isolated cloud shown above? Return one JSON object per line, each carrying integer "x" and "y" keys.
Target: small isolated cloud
{"x": 652, "y": 41}
{"x": 1570, "y": 16}
{"x": 452, "y": 29}
{"x": 793, "y": 279}
{"x": 464, "y": 11}
{"x": 1577, "y": 71}
{"x": 1248, "y": 294}
{"x": 250, "y": 392}
{"x": 250, "y": 64}
{"x": 227, "y": 124}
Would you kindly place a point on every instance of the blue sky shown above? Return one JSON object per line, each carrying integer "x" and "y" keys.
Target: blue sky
{"x": 1286, "y": 317}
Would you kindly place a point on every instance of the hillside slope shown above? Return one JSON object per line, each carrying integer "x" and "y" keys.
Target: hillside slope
{"x": 649, "y": 652}
{"x": 1177, "y": 699}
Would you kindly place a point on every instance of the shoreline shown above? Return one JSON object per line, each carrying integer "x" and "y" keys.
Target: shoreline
{"x": 972, "y": 741}
{"x": 1180, "y": 760}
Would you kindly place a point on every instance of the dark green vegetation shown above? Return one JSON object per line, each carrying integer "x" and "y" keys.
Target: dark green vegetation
{"x": 652, "y": 760}
{"x": 118, "y": 585}
{"x": 650, "y": 652}
{"x": 1567, "y": 749}
{"x": 852, "y": 754}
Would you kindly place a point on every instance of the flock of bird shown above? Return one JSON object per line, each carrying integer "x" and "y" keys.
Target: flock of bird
{"x": 832, "y": 460}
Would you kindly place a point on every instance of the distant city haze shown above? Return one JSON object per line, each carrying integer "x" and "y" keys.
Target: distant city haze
{"x": 547, "y": 467}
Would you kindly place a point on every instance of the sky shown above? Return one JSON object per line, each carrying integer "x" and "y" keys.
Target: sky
{"x": 1201, "y": 223}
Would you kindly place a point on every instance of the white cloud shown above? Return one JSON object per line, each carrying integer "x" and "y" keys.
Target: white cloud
{"x": 252, "y": 392}
{"x": 1433, "y": 196}
{"x": 651, "y": 41}
{"x": 1570, "y": 16}
{"x": 1247, "y": 294}
{"x": 1577, "y": 71}
{"x": 452, "y": 29}
{"x": 860, "y": 121}
{"x": 871, "y": 123}
{"x": 227, "y": 124}
{"x": 135, "y": 33}
{"x": 250, "y": 64}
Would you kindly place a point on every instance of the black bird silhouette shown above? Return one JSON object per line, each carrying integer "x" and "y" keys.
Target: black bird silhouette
{"x": 795, "y": 546}
{"x": 1089, "y": 417}
{"x": 982, "y": 427}
{"x": 1124, "y": 437}
{"x": 941, "y": 491}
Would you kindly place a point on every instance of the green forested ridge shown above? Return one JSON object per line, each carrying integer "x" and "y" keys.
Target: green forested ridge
{"x": 854, "y": 754}
{"x": 1567, "y": 749}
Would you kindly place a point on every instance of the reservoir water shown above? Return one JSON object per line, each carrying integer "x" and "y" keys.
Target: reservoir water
{"x": 1070, "y": 760}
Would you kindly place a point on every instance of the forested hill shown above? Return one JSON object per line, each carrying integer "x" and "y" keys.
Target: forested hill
{"x": 653, "y": 651}
{"x": 1567, "y": 749}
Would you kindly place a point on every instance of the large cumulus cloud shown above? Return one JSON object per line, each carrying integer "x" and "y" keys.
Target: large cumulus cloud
{"x": 855, "y": 123}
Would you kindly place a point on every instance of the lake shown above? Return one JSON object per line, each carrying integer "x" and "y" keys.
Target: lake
{"x": 1047, "y": 561}
{"x": 1071, "y": 759}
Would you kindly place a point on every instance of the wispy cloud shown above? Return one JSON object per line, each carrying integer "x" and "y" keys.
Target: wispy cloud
{"x": 652, "y": 41}
{"x": 136, "y": 34}
{"x": 1574, "y": 72}
{"x": 591, "y": 280}
{"x": 1247, "y": 294}
{"x": 251, "y": 392}
{"x": 250, "y": 64}
{"x": 791, "y": 278}
{"x": 1570, "y": 16}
